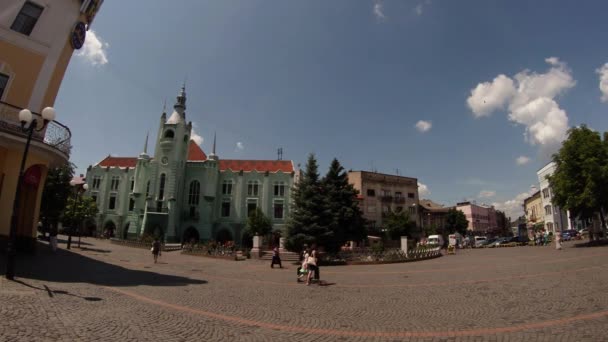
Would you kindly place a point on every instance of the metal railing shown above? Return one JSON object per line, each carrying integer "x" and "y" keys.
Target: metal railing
{"x": 55, "y": 135}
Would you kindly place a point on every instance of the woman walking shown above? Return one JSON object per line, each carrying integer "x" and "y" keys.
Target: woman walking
{"x": 156, "y": 249}
{"x": 312, "y": 266}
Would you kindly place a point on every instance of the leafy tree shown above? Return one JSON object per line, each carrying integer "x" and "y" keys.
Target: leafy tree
{"x": 503, "y": 223}
{"x": 258, "y": 223}
{"x": 399, "y": 224}
{"x": 55, "y": 195}
{"x": 456, "y": 221}
{"x": 309, "y": 219}
{"x": 580, "y": 180}
{"x": 79, "y": 210}
{"x": 346, "y": 219}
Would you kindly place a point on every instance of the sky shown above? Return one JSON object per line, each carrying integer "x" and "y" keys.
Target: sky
{"x": 469, "y": 97}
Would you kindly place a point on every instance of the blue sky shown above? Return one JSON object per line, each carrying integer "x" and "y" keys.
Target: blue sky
{"x": 350, "y": 79}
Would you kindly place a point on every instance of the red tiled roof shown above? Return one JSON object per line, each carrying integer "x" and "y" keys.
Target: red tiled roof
{"x": 118, "y": 162}
{"x": 195, "y": 153}
{"x": 256, "y": 165}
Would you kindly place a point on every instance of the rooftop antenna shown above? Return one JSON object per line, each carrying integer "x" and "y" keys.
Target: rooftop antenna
{"x": 397, "y": 171}
{"x": 280, "y": 153}
{"x": 165, "y": 106}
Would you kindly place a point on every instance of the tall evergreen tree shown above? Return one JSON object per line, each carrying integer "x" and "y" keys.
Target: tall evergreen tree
{"x": 346, "y": 219}
{"x": 308, "y": 223}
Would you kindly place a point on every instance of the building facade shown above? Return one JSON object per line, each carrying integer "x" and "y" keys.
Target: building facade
{"x": 482, "y": 218}
{"x": 534, "y": 212}
{"x": 555, "y": 218}
{"x": 181, "y": 194}
{"x": 433, "y": 215}
{"x": 381, "y": 193}
{"x": 37, "y": 40}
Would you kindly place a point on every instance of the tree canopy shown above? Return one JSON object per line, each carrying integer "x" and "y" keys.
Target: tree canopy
{"x": 78, "y": 210}
{"x": 456, "y": 222}
{"x": 56, "y": 192}
{"x": 580, "y": 180}
{"x": 258, "y": 223}
{"x": 399, "y": 224}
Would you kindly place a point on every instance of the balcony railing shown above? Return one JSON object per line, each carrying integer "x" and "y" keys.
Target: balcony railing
{"x": 158, "y": 210}
{"x": 54, "y": 135}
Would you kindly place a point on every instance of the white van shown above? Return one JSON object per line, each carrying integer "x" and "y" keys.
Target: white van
{"x": 480, "y": 241}
{"x": 435, "y": 240}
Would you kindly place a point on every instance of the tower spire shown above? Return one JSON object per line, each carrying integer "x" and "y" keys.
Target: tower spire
{"x": 180, "y": 102}
{"x": 213, "y": 156}
{"x": 214, "y": 136}
{"x": 146, "y": 143}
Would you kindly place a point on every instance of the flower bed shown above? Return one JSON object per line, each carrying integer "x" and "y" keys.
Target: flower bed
{"x": 372, "y": 257}
{"x": 144, "y": 244}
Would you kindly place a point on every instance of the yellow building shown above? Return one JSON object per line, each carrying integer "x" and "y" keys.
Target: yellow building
{"x": 533, "y": 207}
{"x": 37, "y": 40}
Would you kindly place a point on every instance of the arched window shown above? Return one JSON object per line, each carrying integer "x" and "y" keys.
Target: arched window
{"x": 169, "y": 134}
{"x": 161, "y": 188}
{"x": 194, "y": 194}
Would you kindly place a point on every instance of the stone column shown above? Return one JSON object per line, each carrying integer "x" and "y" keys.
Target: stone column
{"x": 404, "y": 244}
{"x": 255, "y": 251}
{"x": 282, "y": 245}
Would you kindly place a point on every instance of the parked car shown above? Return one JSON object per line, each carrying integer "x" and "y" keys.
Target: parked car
{"x": 520, "y": 240}
{"x": 566, "y": 236}
{"x": 480, "y": 241}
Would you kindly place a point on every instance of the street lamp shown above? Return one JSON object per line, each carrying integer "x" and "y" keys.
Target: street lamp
{"x": 79, "y": 192}
{"x": 28, "y": 125}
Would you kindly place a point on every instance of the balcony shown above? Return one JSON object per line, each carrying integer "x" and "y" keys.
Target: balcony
{"x": 56, "y": 135}
{"x": 399, "y": 200}
{"x": 386, "y": 198}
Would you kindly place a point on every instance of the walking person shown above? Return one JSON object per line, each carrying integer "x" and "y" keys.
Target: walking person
{"x": 156, "y": 249}
{"x": 303, "y": 268}
{"x": 276, "y": 258}
{"x": 53, "y": 238}
{"x": 558, "y": 241}
{"x": 312, "y": 266}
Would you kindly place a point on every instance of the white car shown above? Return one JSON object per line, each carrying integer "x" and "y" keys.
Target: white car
{"x": 480, "y": 241}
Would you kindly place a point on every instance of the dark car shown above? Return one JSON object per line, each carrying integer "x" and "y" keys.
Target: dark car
{"x": 520, "y": 240}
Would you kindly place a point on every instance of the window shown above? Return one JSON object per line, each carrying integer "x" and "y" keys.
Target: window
{"x": 386, "y": 193}
{"x": 412, "y": 210}
{"x": 371, "y": 192}
{"x": 115, "y": 182}
{"x": 3, "y": 83}
{"x": 96, "y": 182}
{"x": 398, "y": 194}
{"x": 278, "y": 210}
{"x": 386, "y": 210}
{"x": 253, "y": 188}
{"x": 226, "y": 208}
{"x": 161, "y": 188}
{"x": 94, "y": 197}
{"x": 112, "y": 202}
{"x": 194, "y": 194}
{"x": 27, "y": 18}
{"x": 371, "y": 209}
{"x": 548, "y": 210}
{"x": 169, "y": 134}
{"x": 279, "y": 189}
{"x": 227, "y": 187}
{"x": 251, "y": 207}
{"x": 148, "y": 189}
{"x": 131, "y": 204}
{"x": 546, "y": 193}
{"x": 410, "y": 195}
{"x": 132, "y": 183}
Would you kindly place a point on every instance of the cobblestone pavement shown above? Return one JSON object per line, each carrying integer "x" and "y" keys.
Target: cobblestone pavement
{"x": 105, "y": 292}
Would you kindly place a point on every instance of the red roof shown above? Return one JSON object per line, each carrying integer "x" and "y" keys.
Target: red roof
{"x": 118, "y": 162}
{"x": 195, "y": 153}
{"x": 256, "y": 165}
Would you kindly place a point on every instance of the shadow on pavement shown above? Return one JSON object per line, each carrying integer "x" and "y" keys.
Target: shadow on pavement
{"x": 67, "y": 267}
{"x": 52, "y": 293}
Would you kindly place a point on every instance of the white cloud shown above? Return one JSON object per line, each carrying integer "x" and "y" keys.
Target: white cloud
{"x": 423, "y": 190}
{"x": 603, "y": 72}
{"x": 424, "y": 126}
{"x": 486, "y": 194}
{"x": 514, "y": 207}
{"x": 240, "y": 146}
{"x": 487, "y": 97}
{"x": 522, "y": 160}
{"x": 94, "y": 49}
{"x": 198, "y": 139}
{"x": 531, "y": 102}
{"x": 379, "y": 10}
{"x": 419, "y": 9}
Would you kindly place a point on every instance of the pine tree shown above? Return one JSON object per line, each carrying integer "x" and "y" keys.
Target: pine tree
{"x": 346, "y": 219}
{"x": 308, "y": 223}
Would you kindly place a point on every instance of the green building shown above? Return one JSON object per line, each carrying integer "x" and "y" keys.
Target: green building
{"x": 180, "y": 193}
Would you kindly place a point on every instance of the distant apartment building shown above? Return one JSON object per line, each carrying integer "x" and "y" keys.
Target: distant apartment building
{"x": 482, "y": 218}
{"x": 533, "y": 209}
{"x": 433, "y": 214}
{"x": 381, "y": 193}
{"x": 555, "y": 218}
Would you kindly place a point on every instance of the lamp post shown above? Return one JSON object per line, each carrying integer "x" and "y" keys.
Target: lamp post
{"x": 28, "y": 126}
{"x": 79, "y": 192}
